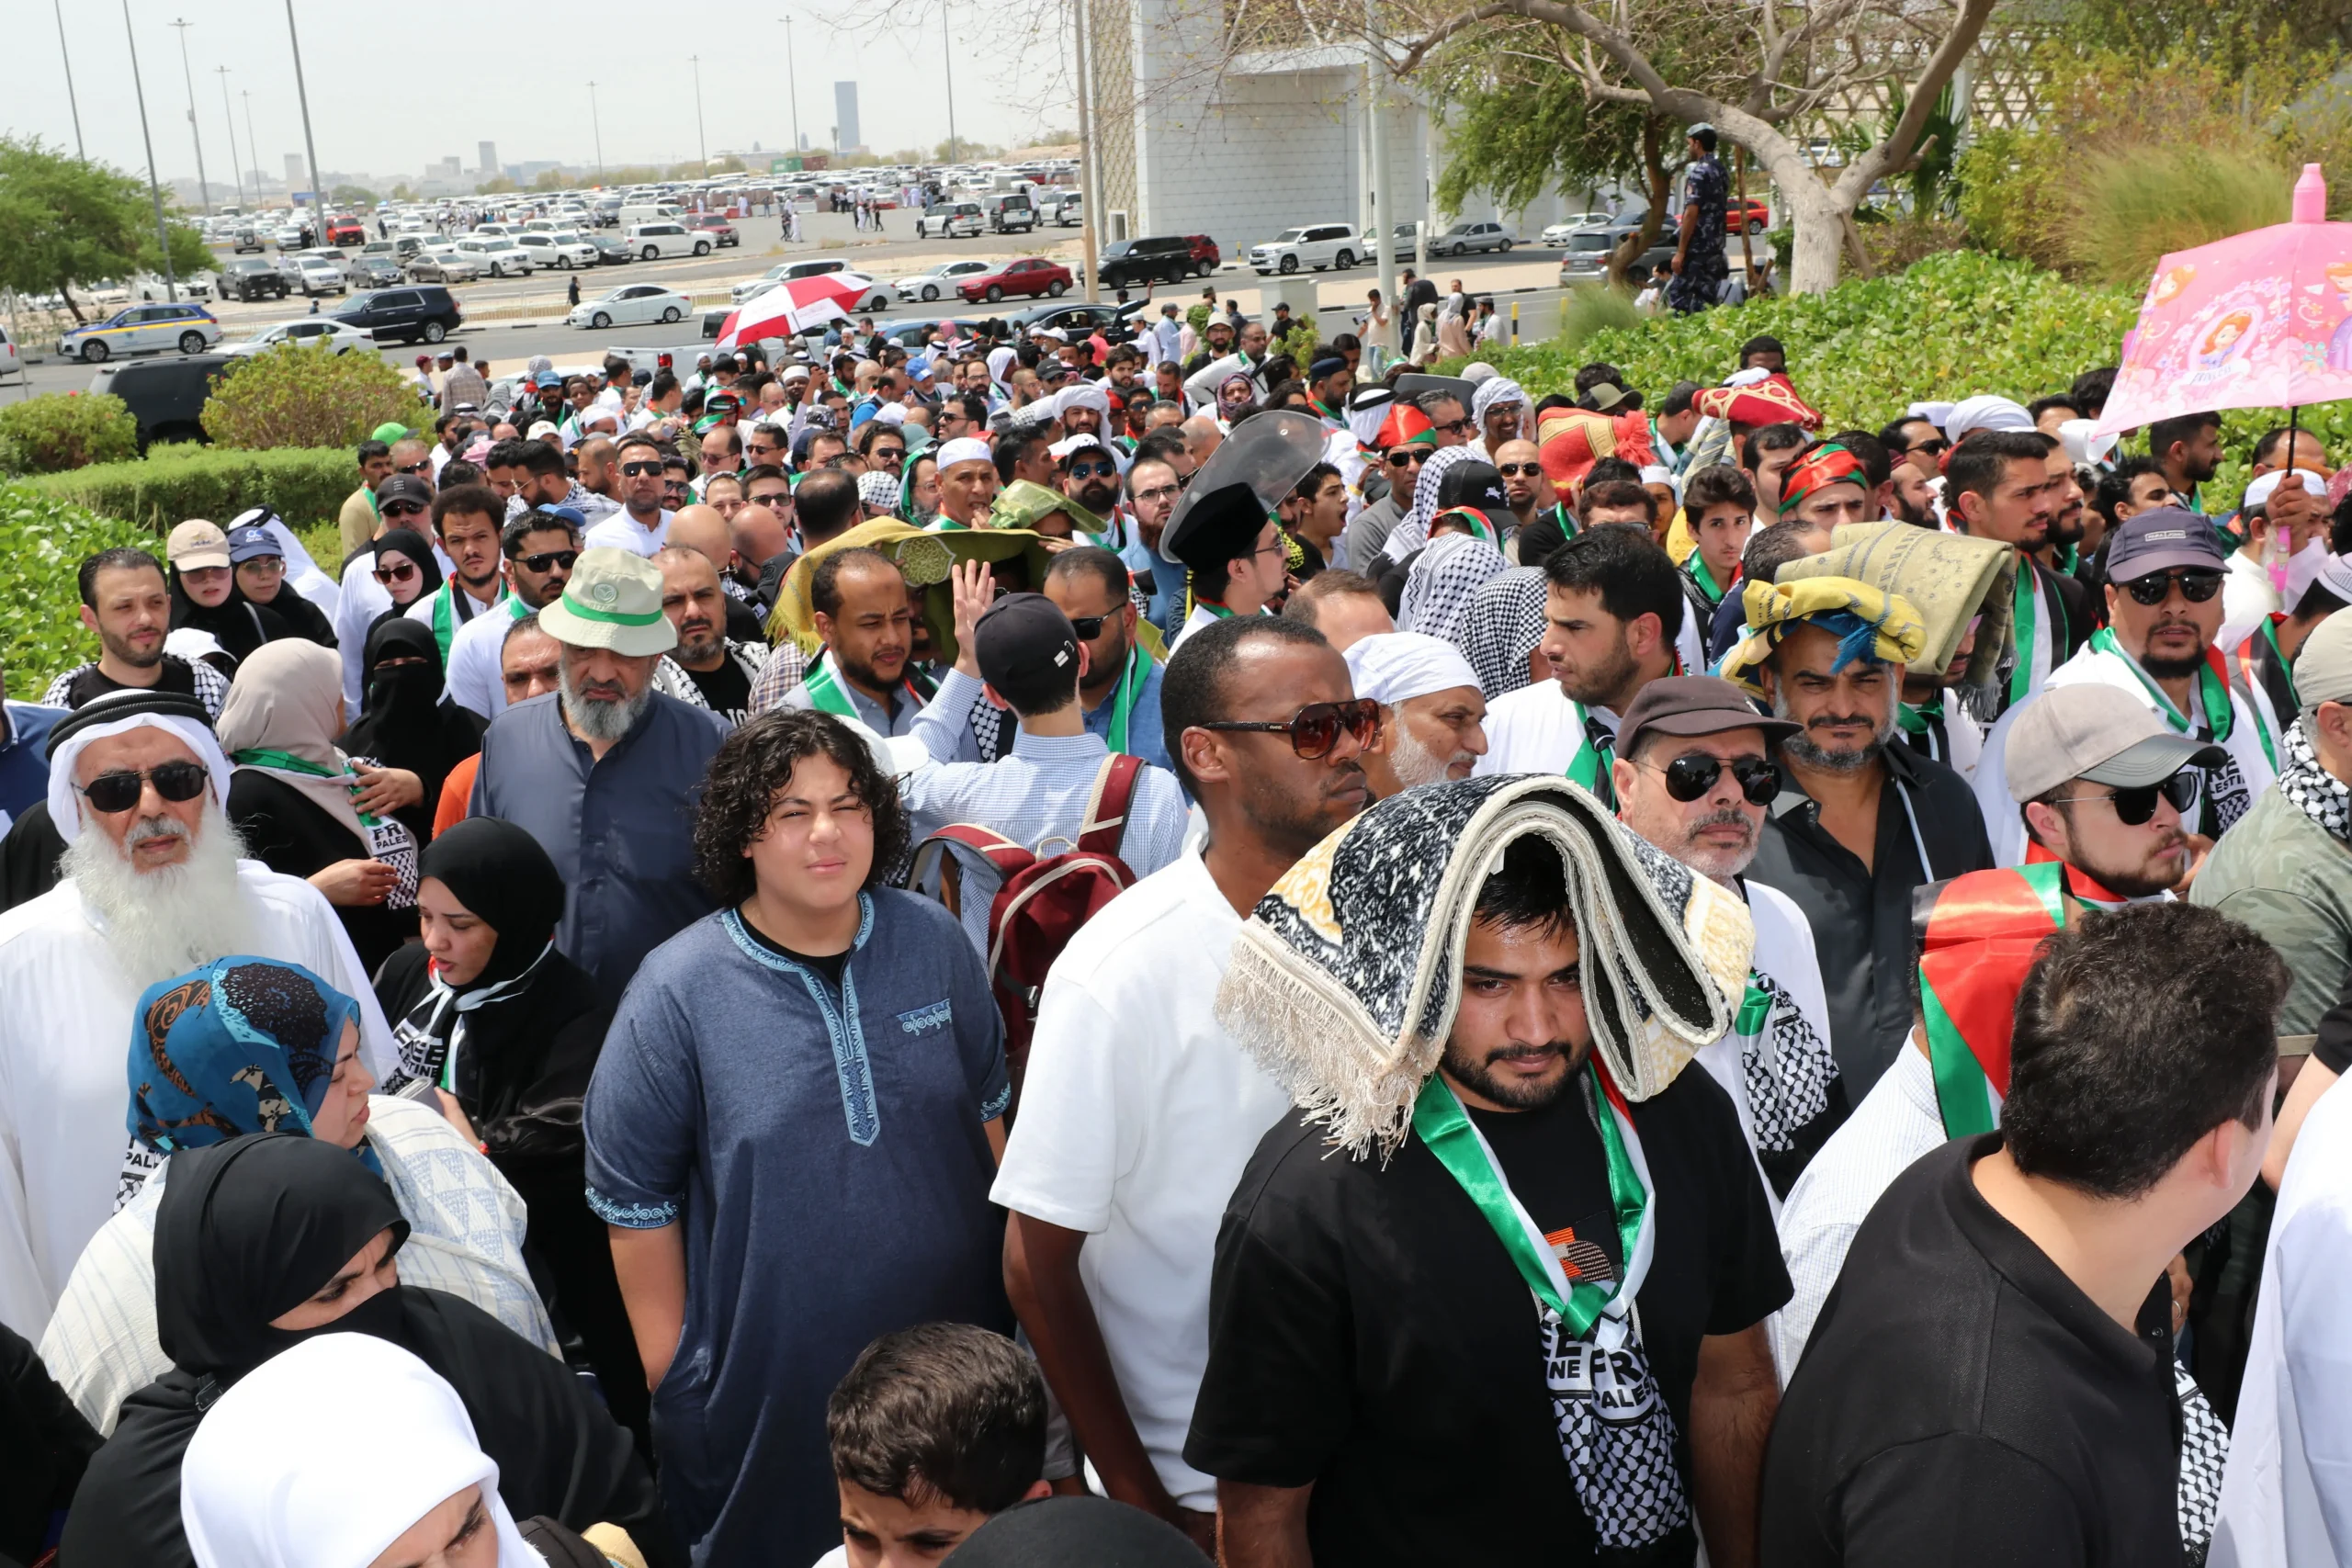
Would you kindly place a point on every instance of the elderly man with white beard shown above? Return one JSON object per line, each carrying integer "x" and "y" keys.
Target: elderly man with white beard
{"x": 1431, "y": 711}
{"x": 1694, "y": 775}
{"x": 152, "y": 885}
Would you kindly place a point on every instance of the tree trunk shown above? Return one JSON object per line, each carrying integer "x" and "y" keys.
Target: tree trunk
{"x": 65, "y": 292}
{"x": 1654, "y": 169}
{"x": 1820, "y": 237}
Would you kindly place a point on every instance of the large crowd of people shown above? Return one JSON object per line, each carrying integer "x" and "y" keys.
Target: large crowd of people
{"x": 1169, "y": 944}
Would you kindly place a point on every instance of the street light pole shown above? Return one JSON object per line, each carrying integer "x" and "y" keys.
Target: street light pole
{"x": 949, "y": 43}
{"x": 154, "y": 185}
{"x": 72, "y": 102}
{"x": 701, "y": 141}
{"x": 252, "y": 145}
{"x": 235, "y": 173}
{"x": 203, "y": 187}
{"x": 310, "y": 148}
{"x": 597, "y": 125}
{"x": 792, "y": 80}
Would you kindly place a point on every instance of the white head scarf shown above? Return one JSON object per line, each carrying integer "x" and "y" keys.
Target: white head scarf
{"x": 328, "y": 1453}
{"x": 1082, "y": 395}
{"x": 1000, "y": 360}
{"x": 66, "y": 808}
{"x": 1494, "y": 389}
{"x": 1395, "y": 667}
{"x": 1984, "y": 413}
{"x": 963, "y": 449}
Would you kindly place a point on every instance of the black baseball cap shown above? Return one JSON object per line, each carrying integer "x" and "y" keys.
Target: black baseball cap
{"x": 1023, "y": 635}
{"x": 1694, "y": 705}
{"x": 2161, "y": 538}
{"x": 404, "y": 487}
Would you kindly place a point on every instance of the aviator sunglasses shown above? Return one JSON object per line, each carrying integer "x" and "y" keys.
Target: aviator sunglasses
{"x": 1317, "y": 728}
{"x": 118, "y": 789}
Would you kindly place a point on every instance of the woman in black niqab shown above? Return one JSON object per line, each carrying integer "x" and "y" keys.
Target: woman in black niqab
{"x": 249, "y": 1229}
{"x": 402, "y": 721}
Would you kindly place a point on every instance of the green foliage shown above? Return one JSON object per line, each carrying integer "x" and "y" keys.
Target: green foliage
{"x": 352, "y": 195}
{"x": 324, "y": 541}
{"x": 65, "y": 429}
{"x": 45, "y": 540}
{"x": 1585, "y": 311}
{"x": 297, "y": 396}
{"x": 1299, "y": 340}
{"x": 1519, "y": 132}
{"x": 173, "y": 483}
{"x": 66, "y": 224}
{"x": 2135, "y": 208}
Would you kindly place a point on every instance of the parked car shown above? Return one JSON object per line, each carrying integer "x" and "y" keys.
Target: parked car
{"x": 165, "y": 396}
{"x": 10, "y": 365}
{"x": 343, "y": 229}
{"x": 1205, "y": 257}
{"x": 1587, "y": 259}
{"x": 653, "y": 242}
{"x": 292, "y": 238}
{"x": 612, "y": 250}
{"x": 939, "y": 281}
{"x": 723, "y": 234}
{"x": 1078, "y": 314}
{"x": 1759, "y": 216}
{"x": 443, "y": 265}
{"x": 816, "y": 266}
{"x": 374, "y": 271}
{"x": 497, "y": 257}
{"x": 247, "y": 239}
{"x": 316, "y": 331}
{"x": 1558, "y": 233}
{"x": 250, "y": 278}
{"x": 563, "y": 254}
{"x": 1010, "y": 212}
{"x": 632, "y": 304}
{"x": 191, "y": 329}
{"x": 1165, "y": 258}
{"x": 1316, "y": 246}
{"x": 949, "y": 221}
{"x": 1032, "y": 275}
{"x": 1065, "y": 209}
{"x": 1471, "y": 235}
{"x": 316, "y": 275}
{"x": 405, "y": 314}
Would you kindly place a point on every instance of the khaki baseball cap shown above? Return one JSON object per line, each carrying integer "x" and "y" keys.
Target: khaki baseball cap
{"x": 2096, "y": 732}
{"x": 197, "y": 544}
{"x": 612, "y": 601}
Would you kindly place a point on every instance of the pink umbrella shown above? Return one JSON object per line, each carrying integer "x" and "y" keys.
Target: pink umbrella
{"x": 794, "y": 306}
{"x": 2260, "y": 320}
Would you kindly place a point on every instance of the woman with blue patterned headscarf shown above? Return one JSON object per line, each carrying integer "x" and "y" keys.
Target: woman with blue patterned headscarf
{"x": 247, "y": 1046}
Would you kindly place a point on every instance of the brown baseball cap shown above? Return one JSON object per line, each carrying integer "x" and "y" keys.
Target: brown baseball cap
{"x": 197, "y": 544}
{"x": 1694, "y": 705}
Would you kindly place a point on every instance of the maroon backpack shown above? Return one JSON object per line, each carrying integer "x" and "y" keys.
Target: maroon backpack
{"x": 1041, "y": 899}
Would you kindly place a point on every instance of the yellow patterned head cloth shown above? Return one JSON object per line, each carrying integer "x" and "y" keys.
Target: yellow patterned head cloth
{"x": 1345, "y": 979}
{"x": 1870, "y": 624}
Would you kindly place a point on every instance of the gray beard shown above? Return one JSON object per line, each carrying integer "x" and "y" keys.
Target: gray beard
{"x": 599, "y": 721}
{"x": 1801, "y": 749}
{"x": 163, "y": 923}
{"x": 1414, "y": 764}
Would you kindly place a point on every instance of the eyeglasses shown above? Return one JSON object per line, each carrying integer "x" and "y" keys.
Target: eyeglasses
{"x": 1088, "y": 628}
{"x": 118, "y": 789}
{"x": 1317, "y": 728}
{"x": 548, "y": 559}
{"x": 1158, "y": 493}
{"x": 2135, "y": 805}
{"x": 638, "y": 470}
{"x": 1457, "y": 427}
{"x": 1513, "y": 470}
{"x": 1092, "y": 471}
{"x": 1689, "y": 778}
{"x": 404, "y": 572}
{"x": 1409, "y": 458}
{"x": 2196, "y": 587}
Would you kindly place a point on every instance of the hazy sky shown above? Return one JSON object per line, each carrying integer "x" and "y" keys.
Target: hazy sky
{"x": 394, "y": 90}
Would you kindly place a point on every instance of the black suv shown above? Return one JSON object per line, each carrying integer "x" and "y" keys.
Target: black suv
{"x": 1166, "y": 258}
{"x": 424, "y": 311}
{"x": 250, "y": 278}
{"x": 166, "y": 396}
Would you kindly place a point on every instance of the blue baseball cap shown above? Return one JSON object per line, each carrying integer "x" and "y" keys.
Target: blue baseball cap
{"x": 252, "y": 543}
{"x": 570, "y": 517}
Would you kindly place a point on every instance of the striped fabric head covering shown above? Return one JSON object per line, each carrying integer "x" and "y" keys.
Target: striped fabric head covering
{"x": 1817, "y": 468}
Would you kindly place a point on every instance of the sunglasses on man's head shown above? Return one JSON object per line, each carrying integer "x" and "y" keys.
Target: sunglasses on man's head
{"x": 1315, "y": 729}
{"x": 1689, "y": 778}
{"x": 118, "y": 789}
{"x": 404, "y": 572}
{"x": 2134, "y": 807}
{"x": 638, "y": 470}
{"x": 2196, "y": 587}
{"x": 547, "y": 560}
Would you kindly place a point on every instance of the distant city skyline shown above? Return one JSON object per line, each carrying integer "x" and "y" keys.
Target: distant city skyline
{"x": 450, "y": 106}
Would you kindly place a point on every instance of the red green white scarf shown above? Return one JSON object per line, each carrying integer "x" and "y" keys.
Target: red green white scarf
{"x": 829, "y": 690}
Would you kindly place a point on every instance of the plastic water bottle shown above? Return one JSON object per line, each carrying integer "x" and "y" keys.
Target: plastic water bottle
{"x": 2311, "y": 196}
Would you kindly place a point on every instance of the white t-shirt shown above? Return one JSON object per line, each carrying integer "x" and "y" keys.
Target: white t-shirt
{"x": 1138, "y": 1116}
{"x": 1535, "y": 729}
{"x": 622, "y": 532}
{"x": 474, "y": 679}
{"x": 1784, "y": 951}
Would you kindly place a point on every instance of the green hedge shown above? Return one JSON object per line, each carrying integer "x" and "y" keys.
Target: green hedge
{"x": 65, "y": 429}
{"x": 304, "y": 485}
{"x": 1951, "y": 325}
{"x": 45, "y": 540}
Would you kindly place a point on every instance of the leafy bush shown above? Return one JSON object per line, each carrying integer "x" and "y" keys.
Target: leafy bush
{"x": 65, "y": 429}
{"x": 302, "y": 485}
{"x": 294, "y": 396}
{"x": 44, "y": 540}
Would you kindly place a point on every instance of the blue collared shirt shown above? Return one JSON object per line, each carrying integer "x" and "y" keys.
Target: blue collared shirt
{"x": 24, "y": 770}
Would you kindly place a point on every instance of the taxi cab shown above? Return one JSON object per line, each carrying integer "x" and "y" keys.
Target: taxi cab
{"x": 191, "y": 329}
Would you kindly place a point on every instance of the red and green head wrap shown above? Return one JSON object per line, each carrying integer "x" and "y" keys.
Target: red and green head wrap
{"x": 1816, "y": 468}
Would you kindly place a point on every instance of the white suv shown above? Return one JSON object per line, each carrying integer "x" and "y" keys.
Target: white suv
{"x": 1317, "y": 245}
{"x": 557, "y": 250}
{"x": 949, "y": 221}
{"x": 653, "y": 242}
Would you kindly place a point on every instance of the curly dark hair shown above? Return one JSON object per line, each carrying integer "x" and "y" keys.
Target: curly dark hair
{"x": 756, "y": 761}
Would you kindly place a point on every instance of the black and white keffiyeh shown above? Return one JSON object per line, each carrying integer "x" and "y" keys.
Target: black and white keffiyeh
{"x": 1413, "y": 531}
{"x": 2316, "y": 792}
{"x": 1445, "y": 580}
{"x": 2204, "y": 1454}
{"x": 1788, "y": 1071}
{"x": 1503, "y": 628}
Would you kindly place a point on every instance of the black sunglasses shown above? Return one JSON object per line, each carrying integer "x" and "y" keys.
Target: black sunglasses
{"x": 1317, "y": 728}
{"x": 118, "y": 789}
{"x": 2196, "y": 587}
{"x": 1088, "y": 628}
{"x": 1935, "y": 447}
{"x": 404, "y": 509}
{"x": 416, "y": 468}
{"x": 1512, "y": 470}
{"x": 1408, "y": 458}
{"x": 1092, "y": 471}
{"x": 547, "y": 559}
{"x": 2135, "y": 805}
{"x": 638, "y": 470}
{"x": 1689, "y": 778}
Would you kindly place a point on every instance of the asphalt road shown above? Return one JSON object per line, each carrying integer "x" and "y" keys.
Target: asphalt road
{"x": 510, "y": 320}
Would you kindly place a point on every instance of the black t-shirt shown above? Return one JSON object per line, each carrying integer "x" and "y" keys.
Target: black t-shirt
{"x": 1962, "y": 1403}
{"x": 829, "y": 964}
{"x": 743, "y": 623}
{"x": 726, "y": 689}
{"x": 91, "y": 682}
{"x": 1368, "y": 1332}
